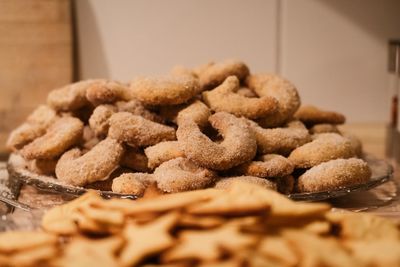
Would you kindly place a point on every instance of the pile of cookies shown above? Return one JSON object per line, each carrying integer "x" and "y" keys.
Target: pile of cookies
{"x": 190, "y": 129}
{"x": 247, "y": 225}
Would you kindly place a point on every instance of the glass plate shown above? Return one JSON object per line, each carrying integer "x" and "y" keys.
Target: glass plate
{"x": 18, "y": 170}
{"x": 382, "y": 171}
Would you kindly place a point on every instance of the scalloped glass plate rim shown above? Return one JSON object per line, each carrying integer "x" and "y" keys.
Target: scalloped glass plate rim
{"x": 382, "y": 171}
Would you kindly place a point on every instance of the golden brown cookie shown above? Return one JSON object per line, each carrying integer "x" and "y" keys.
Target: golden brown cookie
{"x": 135, "y": 159}
{"x": 43, "y": 166}
{"x": 104, "y": 91}
{"x": 165, "y": 90}
{"x": 132, "y": 183}
{"x": 181, "y": 174}
{"x": 280, "y": 140}
{"x": 225, "y": 183}
{"x": 20, "y": 240}
{"x": 319, "y": 250}
{"x": 225, "y": 98}
{"x": 323, "y": 148}
{"x": 282, "y": 90}
{"x": 241, "y": 198}
{"x": 135, "y": 107}
{"x": 312, "y": 115}
{"x": 96, "y": 165}
{"x": 163, "y": 152}
{"x": 209, "y": 245}
{"x": 324, "y": 128}
{"x": 197, "y": 111}
{"x": 72, "y": 96}
{"x": 61, "y": 135}
{"x": 285, "y": 184}
{"x": 91, "y": 252}
{"x": 278, "y": 250}
{"x": 99, "y": 120}
{"x": 355, "y": 143}
{"x": 334, "y": 174}
{"x": 269, "y": 165}
{"x": 213, "y": 74}
{"x": 35, "y": 126}
{"x": 239, "y": 144}
{"x": 134, "y": 251}
{"x": 138, "y": 131}
{"x": 363, "y": 226}
{"x": 247, "y": 92}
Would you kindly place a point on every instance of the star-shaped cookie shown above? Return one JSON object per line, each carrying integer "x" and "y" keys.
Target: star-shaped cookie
{"x": 147, "y": 239}
{"x": 209, "y": 245}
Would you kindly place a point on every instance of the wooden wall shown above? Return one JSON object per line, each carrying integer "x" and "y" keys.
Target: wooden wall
{"x": 35, "y": 56}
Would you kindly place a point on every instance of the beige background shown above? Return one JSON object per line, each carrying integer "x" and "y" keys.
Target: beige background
{"x": 333, "y": 50}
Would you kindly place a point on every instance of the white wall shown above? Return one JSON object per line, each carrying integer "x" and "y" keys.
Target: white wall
{"x": 128, "y": 38}
{"x": 333, "y": 50}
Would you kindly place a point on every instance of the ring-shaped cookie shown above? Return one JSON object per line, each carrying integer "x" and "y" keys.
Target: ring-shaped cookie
{"x": 165, "y": 90}
{"x": 324, "y": 147}
{"x": 137, "y": 131}
{"x": 61, "y": 135}
{"x": 333, "y": 175}
{"x": 282, "y": 90}
{"x": 280, "y": 140}
{"x": 76, "y": 169}
{"x": 238, "y": 145}
{"x": 213, "y": 74}
{"x": 225, "y": 98}
{"x": 270, "y": 165}
{"x": 181, "y": 174}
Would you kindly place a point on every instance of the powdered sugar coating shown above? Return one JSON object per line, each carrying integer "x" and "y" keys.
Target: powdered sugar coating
{"x": 137, "y": 131}
{"x": 239, "y": 144}
{"x": 324, "y": 147}
{"x": 162, "y": 152}
{"x": 282, "y": 90}
{"x": 165, "y": 90}
{"x": 247, "y": 92}
{"x": 181, "y": 174}
{"x": 43, "y": 114}
{"x": 213, "y": 74}
{"x": 227, "y": 182}
{"x": 143, "y": 116}
{"x": 24, "y": 134}
{"x": 334, "y": 174}
{"x": 34, "y": 127}
{"x": 311, "y": 115}
{"x": 137, "y": 108}
{"x": 197, "y": 111}
{"x": 280, "y": 140}
{"x": 99, "y": 120}
{"x": 324, "y": 128}
{"x": 270, "y": 165}
{"x": 135, "y": 159}
{"x": 131, "y": 183}
{"x": 96, "y": 165}
{"x": 355, "y": 143}
{"x": 62, "y": 134}
{"x": 225, "y": 98}
{"x": 104, "y": 91}
{"x": 72, "y": 96}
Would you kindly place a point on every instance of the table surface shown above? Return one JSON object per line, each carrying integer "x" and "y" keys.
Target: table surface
{"x": 383, "y": 200}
